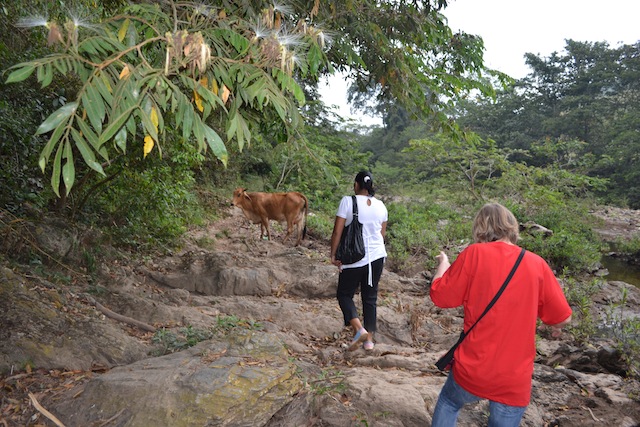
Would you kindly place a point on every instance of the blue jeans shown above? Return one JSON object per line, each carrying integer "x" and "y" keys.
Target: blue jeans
{"x": 453, "y": 397}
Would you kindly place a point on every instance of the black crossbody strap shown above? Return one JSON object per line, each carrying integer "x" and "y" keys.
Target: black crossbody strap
{"x": 495, "y": 298}
{"x": 355, "y": 207}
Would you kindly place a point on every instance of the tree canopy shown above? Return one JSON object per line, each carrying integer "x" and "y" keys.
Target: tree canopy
{"x": 577, "y": 109}
{"x": 209, "y": 75}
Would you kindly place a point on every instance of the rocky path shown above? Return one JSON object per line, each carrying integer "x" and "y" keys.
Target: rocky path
{"x": 276, "y": 354}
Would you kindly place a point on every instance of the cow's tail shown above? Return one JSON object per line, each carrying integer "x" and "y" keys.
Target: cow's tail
{"x": 306, "y": 213}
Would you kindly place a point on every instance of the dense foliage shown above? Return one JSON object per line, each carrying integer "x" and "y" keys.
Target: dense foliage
{"x": 202, "y": 72}
{"x": 578, "y": 110}
{"x": 213, "y": 74}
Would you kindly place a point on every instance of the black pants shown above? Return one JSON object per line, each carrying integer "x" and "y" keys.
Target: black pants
{"x": 349, "y": 281}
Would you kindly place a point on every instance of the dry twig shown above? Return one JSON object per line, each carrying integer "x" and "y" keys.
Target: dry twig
{"x": 44, "y": 412}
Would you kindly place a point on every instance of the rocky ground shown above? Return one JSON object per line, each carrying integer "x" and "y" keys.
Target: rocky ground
{"x": 235, "y": 331}
{"x": 617, "y": 222}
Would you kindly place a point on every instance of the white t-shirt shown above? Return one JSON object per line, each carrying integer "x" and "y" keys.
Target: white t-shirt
{"x": 371, "y": 218}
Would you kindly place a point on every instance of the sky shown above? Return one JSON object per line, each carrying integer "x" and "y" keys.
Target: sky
{"x": 511, "y": 28}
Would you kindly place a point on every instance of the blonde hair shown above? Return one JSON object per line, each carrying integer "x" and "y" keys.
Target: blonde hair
{"x": 495, "y": 222}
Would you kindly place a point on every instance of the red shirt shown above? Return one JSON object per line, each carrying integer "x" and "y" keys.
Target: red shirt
{"x": 495, "y": 361}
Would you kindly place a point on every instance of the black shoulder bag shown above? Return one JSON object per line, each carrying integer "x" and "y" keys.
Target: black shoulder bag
{"x": 351, "y": 248}
{"x": 445, "y": 362}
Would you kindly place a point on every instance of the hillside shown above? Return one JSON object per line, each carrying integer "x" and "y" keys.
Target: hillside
{"x": 260, "y": 338}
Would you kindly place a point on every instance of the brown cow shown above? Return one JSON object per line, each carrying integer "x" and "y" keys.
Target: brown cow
{"x": 292, "y": 207}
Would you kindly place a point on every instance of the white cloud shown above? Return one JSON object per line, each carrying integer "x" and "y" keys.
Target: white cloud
{"x": 512, "y": 28}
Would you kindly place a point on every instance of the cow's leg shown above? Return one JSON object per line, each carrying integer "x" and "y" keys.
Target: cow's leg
{"x": 299, "y": 223}
{"x": 286, "y": 236}
{"x": 265, "y": 224}
{"x": 299, "y": 232}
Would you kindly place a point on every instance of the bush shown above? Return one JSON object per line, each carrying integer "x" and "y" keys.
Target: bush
{"x": 143, "y": 209}
{"x": 564, "y": 249}
{"x": 573, "y": 244}
{"x": 625, "y": 330}
{"x": 629, "y": 247}
{"x": 580, "y": 297}
{"x": 419, "y": 230}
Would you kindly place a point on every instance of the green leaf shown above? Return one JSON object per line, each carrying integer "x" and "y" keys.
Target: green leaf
{"x": 198, "y": 132}
{"x": 289, "y": 84}
{"x": 239, "y": 42}
{"x": 86, "y": 152}
{"x": 314, "y": 57}
{"x": 48, "y": 75}
{"x": 174, "y": 103}
{"x": 89, "y": 134}
{"x": 148, "y": 125}
{"x": 57, "y": 167}
{"x": 216, "y": 144}
{"x": 187, "y": 121}
{"x": 121, "y": 139}
{"x": 69, "y": 169}
{"x": 94, "y": 106}
{"x": 103, "y": 85}
{"x": 93, "y": 139}
{"x": 42, "y": 163}
{"x": 48, "y": 149}
{"x": 20, "y": 74}
{"x": 40, "y": 73}
{"x": 87, "y": 47}
{"x": 243, "y": 132}
{"x": 116, "y": 124}
{"x": 232, "y": 126}
{"x": 280, "y": 109}
{"x": 57, "y": 117}
{"x": 131, "y": 125}
{"x": 61, "y": 66}
{"x": 256, "y": 90}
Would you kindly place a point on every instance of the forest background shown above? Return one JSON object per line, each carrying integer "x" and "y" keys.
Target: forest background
{"x": 141, "y": 118}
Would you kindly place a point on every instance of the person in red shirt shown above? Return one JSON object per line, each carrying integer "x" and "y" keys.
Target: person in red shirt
{"x": 495, "y": 360}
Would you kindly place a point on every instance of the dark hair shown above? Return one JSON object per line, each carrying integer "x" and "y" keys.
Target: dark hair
{"x": 365, "y": 180}
{"x": 495, "y": 222}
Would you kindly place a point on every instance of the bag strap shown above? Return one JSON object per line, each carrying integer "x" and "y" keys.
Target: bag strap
{"x": 355, "y": 207}
{"x": 495, "y": 298}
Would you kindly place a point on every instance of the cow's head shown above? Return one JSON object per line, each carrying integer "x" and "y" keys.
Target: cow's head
{"x": 239, "y": 194}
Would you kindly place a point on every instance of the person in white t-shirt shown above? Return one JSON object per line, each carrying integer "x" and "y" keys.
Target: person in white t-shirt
{"x": 373, "y": 215}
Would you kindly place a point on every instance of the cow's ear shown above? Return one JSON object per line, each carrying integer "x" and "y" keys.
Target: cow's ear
{"x": 245, "y": 194}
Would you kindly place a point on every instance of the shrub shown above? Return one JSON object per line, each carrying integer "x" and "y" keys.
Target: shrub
{"x": 630, "y": 247}
{"x": 564, "y": 249}
{"x": 154, "y": 206}
{"x": 580, "y": 298}
{"x": 419, "y": 230}
{"x": 624, "y": 328}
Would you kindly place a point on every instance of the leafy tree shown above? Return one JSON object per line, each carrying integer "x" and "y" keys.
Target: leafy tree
{"x": 404, "y": 54}
{"x": 152, "y": 64}
{"x": 583, "y": 100}
{"x": 217, "y": 74}
{"x": 22, "y": 109}
{"x": 471, "y": 164}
